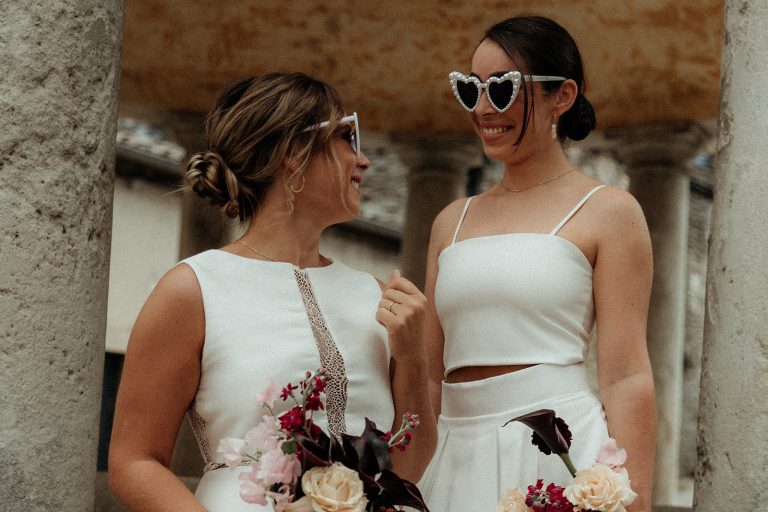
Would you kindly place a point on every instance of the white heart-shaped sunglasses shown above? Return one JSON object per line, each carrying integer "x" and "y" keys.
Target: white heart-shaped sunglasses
{"x": 501, "y": 90}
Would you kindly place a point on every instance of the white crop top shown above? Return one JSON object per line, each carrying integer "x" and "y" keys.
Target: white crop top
{"x": 516, "y": 298}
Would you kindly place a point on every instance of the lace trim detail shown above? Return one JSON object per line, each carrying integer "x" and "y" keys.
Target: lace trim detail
{"x": 201, "y": 434}
{"x": 330, "y": 357}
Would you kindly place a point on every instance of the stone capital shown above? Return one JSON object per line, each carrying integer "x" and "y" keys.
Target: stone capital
{"x": 438, "y": 153}
{"x": 657, "y": 146}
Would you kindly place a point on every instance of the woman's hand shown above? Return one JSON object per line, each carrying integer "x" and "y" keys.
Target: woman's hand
{"x": 402, "y": 311}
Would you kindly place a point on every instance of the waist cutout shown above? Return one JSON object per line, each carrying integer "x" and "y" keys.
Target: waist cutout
{"x": 526, "y": 390}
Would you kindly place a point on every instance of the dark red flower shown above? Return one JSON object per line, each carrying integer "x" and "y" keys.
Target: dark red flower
{"x": 550, "y": 499}
{"x": 314, "y": 403}
{"x": 287, "y": 391}
{"x": 320, "y": 384}
{"x": 292, "y": 420}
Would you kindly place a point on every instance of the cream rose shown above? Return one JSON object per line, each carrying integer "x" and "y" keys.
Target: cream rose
{"x": 600, "y": 488}
{"x": 334, "y": 488}
{"x": 513, "y": 501}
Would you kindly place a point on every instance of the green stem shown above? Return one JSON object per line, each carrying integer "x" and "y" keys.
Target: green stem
{"x": 568, "y": 463}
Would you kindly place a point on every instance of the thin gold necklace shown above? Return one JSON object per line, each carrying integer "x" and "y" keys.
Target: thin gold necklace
{"x": 255, "y": 251}
{"x": 536, "y": 185}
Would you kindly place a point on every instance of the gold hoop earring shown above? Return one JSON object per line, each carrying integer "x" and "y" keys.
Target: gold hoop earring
{"x": 303, "y": 182}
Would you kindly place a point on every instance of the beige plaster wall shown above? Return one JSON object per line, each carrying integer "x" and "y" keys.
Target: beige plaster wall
{"x": 647, "y": 60}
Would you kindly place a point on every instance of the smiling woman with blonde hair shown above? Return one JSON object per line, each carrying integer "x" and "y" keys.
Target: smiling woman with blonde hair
{"x": 285, "y": 158}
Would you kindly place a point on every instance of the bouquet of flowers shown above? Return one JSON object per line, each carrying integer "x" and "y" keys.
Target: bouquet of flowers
{"x": 604, "y": 487}
{"x": 297, "y": 467}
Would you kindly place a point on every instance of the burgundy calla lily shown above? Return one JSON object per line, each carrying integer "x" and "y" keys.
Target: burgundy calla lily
{"x": 550, "y": 434}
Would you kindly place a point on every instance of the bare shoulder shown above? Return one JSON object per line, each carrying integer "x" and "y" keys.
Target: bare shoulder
{"x": 620, "y": 225}
{"x": 446, "y": 221}
{"x": 619, "y": 212}
{"x": 180, "y": 285}
{"x": 173, "y": 312}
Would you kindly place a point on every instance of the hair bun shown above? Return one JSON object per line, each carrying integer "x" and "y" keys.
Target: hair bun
{"x": 584, "y": 120}
{"x": 209, "y": 176}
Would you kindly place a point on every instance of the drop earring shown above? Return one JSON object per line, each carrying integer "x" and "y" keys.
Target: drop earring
{"x": 554, "y": 126}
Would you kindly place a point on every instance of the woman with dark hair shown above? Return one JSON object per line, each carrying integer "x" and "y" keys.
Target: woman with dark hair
{"x": 519, "y": 276}
{"x": 284, "y": 158}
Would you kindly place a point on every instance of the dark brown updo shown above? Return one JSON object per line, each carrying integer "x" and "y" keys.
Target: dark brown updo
{"x": 256, "y": 126}
{"x": 540, "y": 46}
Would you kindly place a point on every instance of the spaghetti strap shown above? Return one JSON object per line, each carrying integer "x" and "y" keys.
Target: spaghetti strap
{"x": 575, "y": 209}
{"x": 461, "y": 219}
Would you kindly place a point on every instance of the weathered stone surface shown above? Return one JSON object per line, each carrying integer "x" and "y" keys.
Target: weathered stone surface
{"x": 58, "y": 91}
{"x": 649, "y": 61}
{"x": 733, "y": 410}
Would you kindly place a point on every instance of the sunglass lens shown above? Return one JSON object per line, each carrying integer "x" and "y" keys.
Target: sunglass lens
{"x": 468, "y": 93}
{"x": 501, "y": 93}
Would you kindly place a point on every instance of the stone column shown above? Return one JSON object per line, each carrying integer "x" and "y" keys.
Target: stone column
{"x": 58, "y": 97}
{"x": 656, "y": 158}
{"x": 437, "y": 175}
{"x": 733, "y": 417}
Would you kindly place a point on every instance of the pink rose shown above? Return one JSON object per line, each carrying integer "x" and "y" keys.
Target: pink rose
{"x": 229, "y": 448}
{"x": 600, "y": 488}
{"x": 333, "y": 488}
{"x": 610, "y": 455}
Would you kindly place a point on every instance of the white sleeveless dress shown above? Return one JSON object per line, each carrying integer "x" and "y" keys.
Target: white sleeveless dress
{"x": 272, "y": 320}
{"x": 518, "y": 298}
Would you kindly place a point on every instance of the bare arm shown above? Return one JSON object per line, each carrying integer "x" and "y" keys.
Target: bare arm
{"x": 622, "y": 285}
{"x": 442, "y": 230}
{"x": 159, "y": 380}
{"x": 401, "y": 311}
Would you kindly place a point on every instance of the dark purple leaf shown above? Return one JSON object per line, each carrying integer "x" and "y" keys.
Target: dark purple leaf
{"x": 396, "y": 491}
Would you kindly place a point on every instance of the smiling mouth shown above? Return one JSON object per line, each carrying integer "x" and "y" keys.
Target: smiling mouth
{"x": 355, "y": 182}
{"x": 496, "y": 130}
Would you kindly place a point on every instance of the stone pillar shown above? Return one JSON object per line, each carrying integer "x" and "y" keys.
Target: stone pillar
{"x": 438, "y": 166}
{"x": 656, "y": 158}
{"x": 733, "y": 416}
{"x": 58, "y": 98}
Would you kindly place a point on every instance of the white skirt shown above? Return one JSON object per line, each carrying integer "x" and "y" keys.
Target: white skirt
{"x": 477, "y": 460}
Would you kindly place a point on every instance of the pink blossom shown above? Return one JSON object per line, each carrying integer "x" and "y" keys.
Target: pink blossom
{"x": 282, "y": 497}
{"x": 269, "y": 394}
{"x": 264, "y": 437}
{"x": 275, "y": 467}
{"x": 230, "y": 448}
{"x": 610, "y": 455}
{"x": 252, "y": 489}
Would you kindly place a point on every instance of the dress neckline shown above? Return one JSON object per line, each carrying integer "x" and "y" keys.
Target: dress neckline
{"x": 332, "y": 263}
{"x": 581, "y": 257}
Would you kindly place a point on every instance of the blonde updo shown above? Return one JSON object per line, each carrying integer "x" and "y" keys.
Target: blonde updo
{"x": 256, "y": 126}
